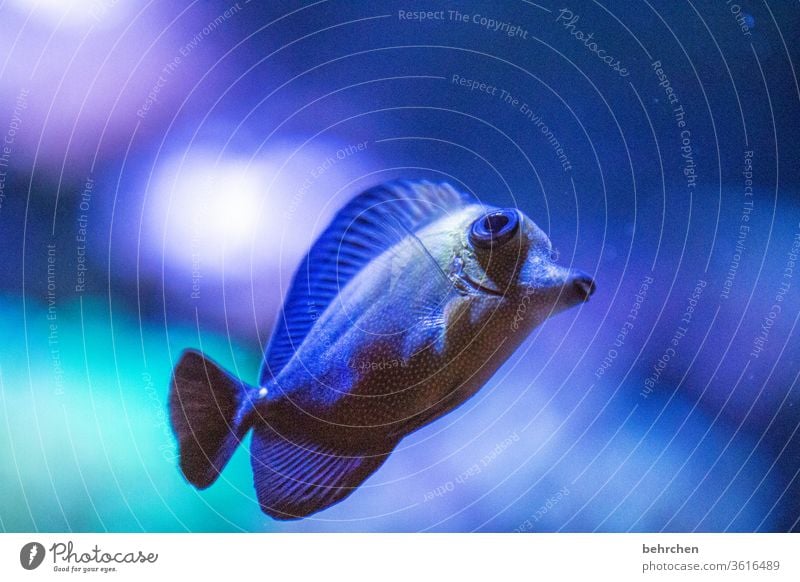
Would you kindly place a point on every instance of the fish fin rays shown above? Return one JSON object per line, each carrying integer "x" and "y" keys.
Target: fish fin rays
{"x": 435, "y": 324}
{"x": 363, "y": 229}
{"x": 207, "y": 410}
{"x": 428, "y": 335}
{"x": 296, "y": 478}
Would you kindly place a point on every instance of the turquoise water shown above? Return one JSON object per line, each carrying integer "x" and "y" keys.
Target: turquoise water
{"x": 85, "y": 442}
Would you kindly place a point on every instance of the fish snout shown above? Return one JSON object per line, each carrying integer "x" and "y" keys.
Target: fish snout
{"x": 563, "y": 286}
{"x": 573, "y": 287}
{"x": 582, "y": 285}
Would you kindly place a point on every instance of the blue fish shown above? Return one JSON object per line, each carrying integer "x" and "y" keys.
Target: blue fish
{"x": 403, "y": 308}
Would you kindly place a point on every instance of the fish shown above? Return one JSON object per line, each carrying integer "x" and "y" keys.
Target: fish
{"x": 403, "y": 308}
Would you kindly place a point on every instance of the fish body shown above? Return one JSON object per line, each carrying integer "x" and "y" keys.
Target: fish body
{"x": 403, "y": 309}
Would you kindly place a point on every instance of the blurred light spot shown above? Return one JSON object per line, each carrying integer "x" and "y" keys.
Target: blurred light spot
{"x": 224, "y": 199}
{"x": 73, "y": 12}
{"x": 241, "y": 216}
{"x": 213, "y": 207}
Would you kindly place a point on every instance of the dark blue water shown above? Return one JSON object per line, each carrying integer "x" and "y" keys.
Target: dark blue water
{"x": 166, "y": 170}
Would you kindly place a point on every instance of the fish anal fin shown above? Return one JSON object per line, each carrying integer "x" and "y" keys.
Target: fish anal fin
{"x": 296, "y": 478}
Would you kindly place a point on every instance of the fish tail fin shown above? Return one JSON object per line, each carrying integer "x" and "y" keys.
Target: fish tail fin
{"x": 209, "y": 414}
{"x": 297, "y": 477}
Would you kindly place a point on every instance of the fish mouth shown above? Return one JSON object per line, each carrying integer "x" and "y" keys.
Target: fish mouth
{"x": 583, "y": 285}
{"x": 575, "y": 287}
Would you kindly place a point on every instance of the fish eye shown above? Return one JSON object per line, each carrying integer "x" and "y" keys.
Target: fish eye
{"x": 494, "y": 228}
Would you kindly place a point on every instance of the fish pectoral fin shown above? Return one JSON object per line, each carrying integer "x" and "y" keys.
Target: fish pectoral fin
{"x": 207, "y": 409}
{"x": 295, "y": 478}
{"x": 434, "y": 326}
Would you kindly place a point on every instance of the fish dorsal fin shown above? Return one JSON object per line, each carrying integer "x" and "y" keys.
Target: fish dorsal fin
{"x": 363, "y": 229}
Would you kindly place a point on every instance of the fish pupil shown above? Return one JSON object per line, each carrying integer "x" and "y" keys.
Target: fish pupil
{"x": 494, "y": 223}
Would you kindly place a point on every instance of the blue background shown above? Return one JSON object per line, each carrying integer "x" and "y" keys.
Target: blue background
{"x": 203, "y": 198}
